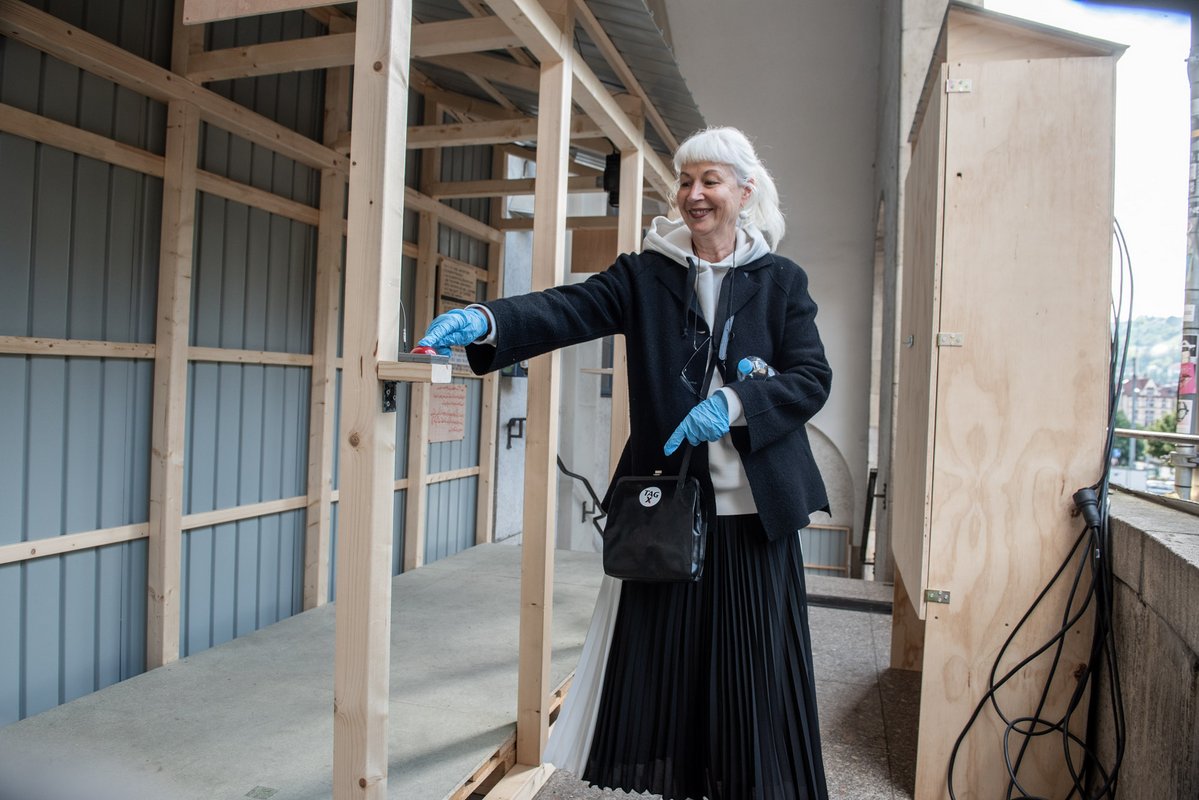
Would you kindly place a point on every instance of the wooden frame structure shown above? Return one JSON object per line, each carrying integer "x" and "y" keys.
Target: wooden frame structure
{"x": 1013, "y": 142}
{"x": 379, "y": 65}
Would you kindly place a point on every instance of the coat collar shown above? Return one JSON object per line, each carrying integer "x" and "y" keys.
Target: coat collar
{"x": 745, "y": 287}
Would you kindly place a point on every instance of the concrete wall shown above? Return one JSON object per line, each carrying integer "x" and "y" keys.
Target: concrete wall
{"x": 1155, "y": 558}
{"x": 801, "y": 79}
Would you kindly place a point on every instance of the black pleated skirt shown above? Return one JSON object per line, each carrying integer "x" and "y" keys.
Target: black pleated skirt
{"x": 708, "y": 691}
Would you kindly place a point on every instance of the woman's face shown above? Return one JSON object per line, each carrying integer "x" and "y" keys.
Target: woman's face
{"x": 710, "y": 199}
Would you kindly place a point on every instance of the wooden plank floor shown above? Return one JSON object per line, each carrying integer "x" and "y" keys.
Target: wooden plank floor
{"x": 253, "y": 717}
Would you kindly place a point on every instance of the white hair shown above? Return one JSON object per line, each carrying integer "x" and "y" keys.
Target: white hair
{"x": 732, "y": 147}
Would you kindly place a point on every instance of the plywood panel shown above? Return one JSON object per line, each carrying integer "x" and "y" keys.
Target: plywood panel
{"x": 917, "y": 362}
{"x": 1021, "y": 406}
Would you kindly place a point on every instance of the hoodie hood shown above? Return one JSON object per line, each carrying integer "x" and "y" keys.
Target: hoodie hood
{"x": 672, "y": 238}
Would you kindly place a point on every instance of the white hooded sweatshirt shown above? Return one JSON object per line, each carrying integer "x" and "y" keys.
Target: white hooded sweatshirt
{"x": 672, "y": 239}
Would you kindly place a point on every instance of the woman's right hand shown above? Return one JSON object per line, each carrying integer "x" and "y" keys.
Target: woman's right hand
{"x": 455, "y": 328}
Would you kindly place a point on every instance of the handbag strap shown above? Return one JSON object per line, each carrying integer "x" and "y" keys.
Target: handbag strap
{"x": 715, "y": 347}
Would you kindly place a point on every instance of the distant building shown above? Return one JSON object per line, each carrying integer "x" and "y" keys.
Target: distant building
{"x": 1144, "y": 402}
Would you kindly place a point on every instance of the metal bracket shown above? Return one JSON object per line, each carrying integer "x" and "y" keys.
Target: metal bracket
{"x": 389, "y": 397}
{"x": 587, "y": 512}
{"x": 951, "y": 340}
{"x": 958, "y": 85}
{"x": 519, "y": 424}
{"x": 936, "y": 596}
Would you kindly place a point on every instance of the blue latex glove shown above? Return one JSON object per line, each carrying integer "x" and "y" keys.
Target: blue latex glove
{"x": 455, "y": 328}
{"x": 707, "y": 422}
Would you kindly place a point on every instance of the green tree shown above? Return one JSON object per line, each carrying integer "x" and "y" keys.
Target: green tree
{"x": 1162, "y": 450}
{"x": 1122, "y": 443}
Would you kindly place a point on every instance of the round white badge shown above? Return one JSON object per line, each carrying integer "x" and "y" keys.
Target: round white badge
{"x": 650, "y": 496}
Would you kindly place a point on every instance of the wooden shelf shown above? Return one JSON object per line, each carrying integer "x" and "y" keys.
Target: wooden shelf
{"x": 414, "y": 372}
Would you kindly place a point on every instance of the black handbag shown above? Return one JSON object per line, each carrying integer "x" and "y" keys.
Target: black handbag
{"x": 657, "y": 525}
{"x": 657, "y": 528}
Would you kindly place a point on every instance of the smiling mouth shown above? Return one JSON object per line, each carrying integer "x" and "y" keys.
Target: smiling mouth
{"x": 698, "y": 213}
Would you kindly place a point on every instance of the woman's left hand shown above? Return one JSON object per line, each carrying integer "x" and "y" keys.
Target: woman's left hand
{"x": 707, "y": 422}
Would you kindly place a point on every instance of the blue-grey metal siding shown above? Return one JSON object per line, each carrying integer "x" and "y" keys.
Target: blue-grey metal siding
{"x": 78, "y": 259}
{"x": 79, "y": 244}
{"x": 247, "y": 425}
{"x": 825, "y": 547}
{"x": 450, "y": 519}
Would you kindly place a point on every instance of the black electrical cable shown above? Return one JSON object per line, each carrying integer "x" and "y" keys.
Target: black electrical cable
{"x": 1093, "y": 564}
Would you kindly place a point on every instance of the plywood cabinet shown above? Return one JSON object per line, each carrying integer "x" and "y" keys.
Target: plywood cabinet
{"x": 1003, "y": 361}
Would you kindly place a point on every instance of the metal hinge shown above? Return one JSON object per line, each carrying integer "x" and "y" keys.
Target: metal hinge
{"x": 958, "y": 85}
{"x": 951, "y": 340}
{"x": 936, "y": 596}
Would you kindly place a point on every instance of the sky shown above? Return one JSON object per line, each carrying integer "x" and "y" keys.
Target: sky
{"x": 1152, "y": 135}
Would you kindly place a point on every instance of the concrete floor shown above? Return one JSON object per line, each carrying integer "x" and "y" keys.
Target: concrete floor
{"x": 868, "y": 712}
{"x": 251, "y": 718}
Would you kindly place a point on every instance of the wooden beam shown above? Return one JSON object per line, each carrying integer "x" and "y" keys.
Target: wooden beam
{"x": 220, "y": 186}
{"x": 221, "y": 516}
{"x": 572, "y": 223}
{"x": 471, "y": 107}
{"x": 199, "y": 11}
{"x": 272, "y": 58}
{"x": 424, "y": 309}
{"x": 591, "y": 95}
{"x": 461, "y": 36}
{"x": 71, "y": 543}
{"x": 522, "y": 782}
{"x": 615, "y": 60}
{"x": 506, "y": 188}
{"x": 465, "y": 134}
{"x": 228, "y": 356}
{"x": 66, "y": 137}
{"x": 337, "y": 50}
{"x": 75, "y": 46}
{"x": 489, "y": 422}
{"x": 374, "y": 251}
{"x": 323, "y": 387}
{"x": 497, "y": 70}
{"x": 628, "y": 240}
{"x": 541, "y": 448}
{"x": 545, "y": 36}
{"x": 170, "y": 384}
{"x": 35, "y": 346}
{"x": 414, "y": 372}
{"x": 451, "y": 217}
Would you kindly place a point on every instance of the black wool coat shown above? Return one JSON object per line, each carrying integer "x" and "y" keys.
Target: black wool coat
{"x": 642, "y": 296}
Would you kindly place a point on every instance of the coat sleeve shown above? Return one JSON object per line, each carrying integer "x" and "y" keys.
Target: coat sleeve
{"x": 777, "y": 406}
{"x": 536, "y": 323}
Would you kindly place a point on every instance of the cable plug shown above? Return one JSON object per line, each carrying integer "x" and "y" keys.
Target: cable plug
{"x": 1087, "y": 503}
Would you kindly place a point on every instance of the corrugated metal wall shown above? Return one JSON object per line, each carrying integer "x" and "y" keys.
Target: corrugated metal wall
{"x": 450, "y": 520}
{"x": 247, "y": 424}
{"x": 825, "y": 551}
{"x": 78, "y": 260}
{"x": 78, "y": 256}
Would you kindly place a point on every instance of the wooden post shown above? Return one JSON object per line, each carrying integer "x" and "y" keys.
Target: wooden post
{"x": 424, "y": 308}
{"x": 485, "y": 504}
{"x": 326, "y": 314}
{"x": 632, "y": 176}
{"x": 541, "y": 448}
{"x": 168, "y": 426}
{"x": 374, "y": 247}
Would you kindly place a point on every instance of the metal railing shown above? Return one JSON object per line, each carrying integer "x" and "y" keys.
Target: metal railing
{"x": 1184, "y": 459}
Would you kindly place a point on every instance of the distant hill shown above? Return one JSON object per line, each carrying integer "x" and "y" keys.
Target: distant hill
{"x": 1155, "y": 344}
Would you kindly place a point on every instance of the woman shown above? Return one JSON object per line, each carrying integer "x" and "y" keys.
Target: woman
{"x": 705, "y": 688}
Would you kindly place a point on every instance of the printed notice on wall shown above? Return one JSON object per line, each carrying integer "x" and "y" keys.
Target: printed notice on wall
{"x": 457, "y": 282}
{"x": 447, "y": 412}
